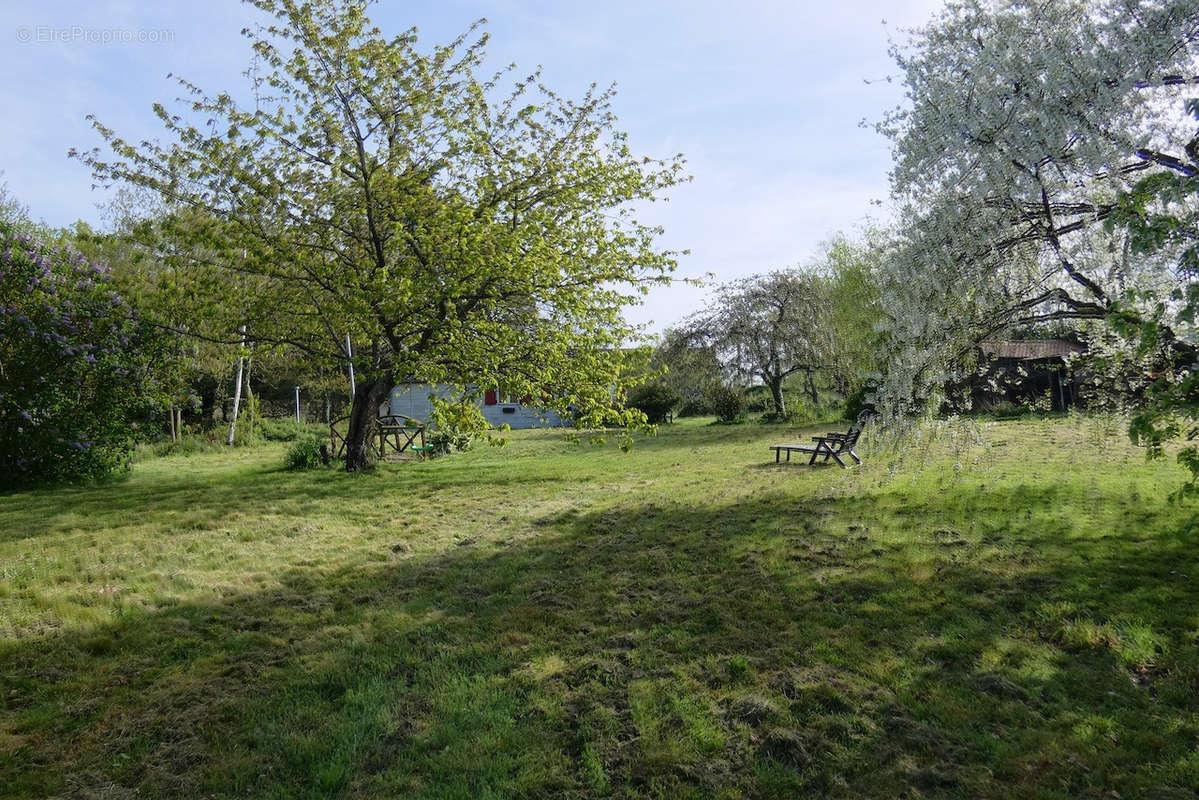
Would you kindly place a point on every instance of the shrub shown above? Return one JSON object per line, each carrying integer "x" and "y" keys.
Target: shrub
{"x": 304, "y": 454}
{"x": 1005, "y": 409}
{"x": 695, "y": 407}
{"x": 282, "y": 429}
{"x": 206, "y": 442}
{"x": 799, "y": 408}
{"x": 248, "y": 432}
{"x": 453, "y": 425}
{"x": 727, "y": 404}
{"x": 78, "y": 369}
{"x": 757, "y": 399}
{"x": 655, "y": 400}
{"x": 443, "y": 442}
{"x": 857, "y": 403}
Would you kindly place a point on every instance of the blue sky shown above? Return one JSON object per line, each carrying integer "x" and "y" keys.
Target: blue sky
{"x": 764, "y": 98}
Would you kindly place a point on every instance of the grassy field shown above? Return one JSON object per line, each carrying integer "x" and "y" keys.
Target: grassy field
{"x": 1011, "y": 615}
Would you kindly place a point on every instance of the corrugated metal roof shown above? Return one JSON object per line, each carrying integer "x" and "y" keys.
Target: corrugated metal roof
{"x": 1031, "y": 349}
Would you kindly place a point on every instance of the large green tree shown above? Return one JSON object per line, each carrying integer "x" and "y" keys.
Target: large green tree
{"x": 460, "y": 229}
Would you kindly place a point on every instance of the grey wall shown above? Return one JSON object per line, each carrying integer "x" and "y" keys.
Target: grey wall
{"x": 412, "y": 400}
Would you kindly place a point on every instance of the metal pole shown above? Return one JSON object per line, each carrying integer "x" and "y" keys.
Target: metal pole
{"x": 297, "y": 404}
{"x": 237, "y": 387}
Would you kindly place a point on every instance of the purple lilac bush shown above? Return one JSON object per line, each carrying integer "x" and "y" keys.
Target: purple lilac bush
{"x": 76, "y": 366}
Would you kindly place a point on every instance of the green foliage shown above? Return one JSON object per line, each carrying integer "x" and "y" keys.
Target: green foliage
{"x": 797, "y": 405}
{"x": 249, "y": 421}
{"x": 190, "y": 445}
{"x": 800, "y": 409}
{"x": 700, "y": 406}
{"x": 768, "y": 326}
{"x": 457, "y": 228}
{"x": 456, "y": 415}
{"x": 757, "y": 399}
{"x": 443, "y": 442}
{"x": 655, "y": 400}
{"x": 174, "y": 291}
{"x": 77, "y": 367}
{"x": 305, "y": 453}
{"x": 859, "y": 401}
{"x": 727, "y": 403}
{"x": 454, "y": 425}
{"x": 284, "y": 429}
{"x": 1013, "y": 213}
{"x": 1159, "y": 213}
{"x": 690, "y": 368}
{"x": 1169, "y": 412}
{"x": 854, "y": 312}
{"x": 1005, "y": 409}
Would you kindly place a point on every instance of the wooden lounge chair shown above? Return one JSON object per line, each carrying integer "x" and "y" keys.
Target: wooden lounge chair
{"x": 832, "y": 445}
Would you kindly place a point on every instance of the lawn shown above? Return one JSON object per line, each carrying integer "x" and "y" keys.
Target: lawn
{"x": 1012, "y": 610}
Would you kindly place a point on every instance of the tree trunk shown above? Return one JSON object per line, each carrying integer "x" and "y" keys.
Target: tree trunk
{"x": 776, "y": 395}
{"x": 364, "y": 415}
{"x": 208, "y": 388}
{"x": 810, "y": 385}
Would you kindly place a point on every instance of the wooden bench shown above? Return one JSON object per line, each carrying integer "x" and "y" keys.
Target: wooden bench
{"x": 831, "y": 445}
{"x": 394, "y": 431}
{"x": 401, "y": 432}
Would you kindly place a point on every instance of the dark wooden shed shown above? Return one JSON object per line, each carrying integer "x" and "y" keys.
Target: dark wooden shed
{"x": 1026, "y": 369}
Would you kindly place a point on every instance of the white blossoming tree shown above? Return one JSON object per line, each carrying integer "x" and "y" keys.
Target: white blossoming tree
{"x": 767, "y": 327}
{"x": 1030, "y": 127}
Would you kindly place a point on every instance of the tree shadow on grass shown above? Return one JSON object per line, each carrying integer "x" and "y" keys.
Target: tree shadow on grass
{"x": 800, "y": 465}
{"x": 757, "y": 648}
{"x": 180, "y": 494}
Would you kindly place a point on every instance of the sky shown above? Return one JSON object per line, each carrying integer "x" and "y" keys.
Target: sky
{"x": 765, "y": 98}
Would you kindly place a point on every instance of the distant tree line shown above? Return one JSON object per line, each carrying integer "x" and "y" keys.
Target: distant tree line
{"x": 806, "y": 332}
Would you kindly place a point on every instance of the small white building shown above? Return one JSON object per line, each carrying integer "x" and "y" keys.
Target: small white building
{"x": 415, "y": 400}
